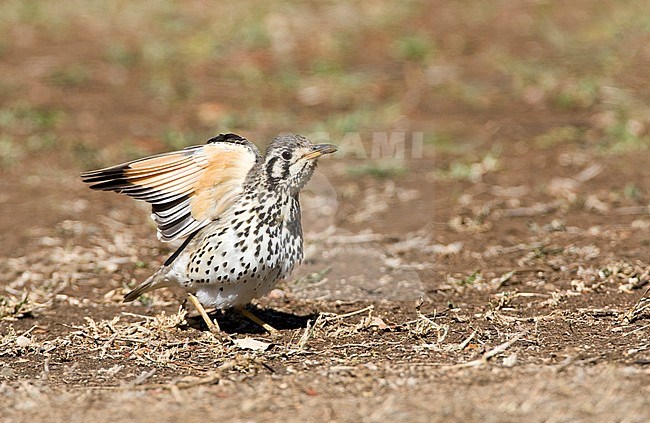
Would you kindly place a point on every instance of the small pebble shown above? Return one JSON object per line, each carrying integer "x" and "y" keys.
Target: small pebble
{"x": 23, "y": 341}
{"x": 510, "y": 361}
{"x": 276, "y": 294}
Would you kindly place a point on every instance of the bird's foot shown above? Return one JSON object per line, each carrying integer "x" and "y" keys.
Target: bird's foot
{"x": 250, "y": 316}
{"x": 213, "y": 326}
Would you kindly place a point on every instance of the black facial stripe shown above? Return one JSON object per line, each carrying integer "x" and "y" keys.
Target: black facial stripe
{"x": 269, "y": 166}
{"x": 304, "y": 166}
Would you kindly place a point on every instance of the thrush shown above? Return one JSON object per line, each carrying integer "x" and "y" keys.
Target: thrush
{"x": 237, "y": 211}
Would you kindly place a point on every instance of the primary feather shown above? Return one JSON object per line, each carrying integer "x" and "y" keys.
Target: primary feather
{"x": 187, "y": 189}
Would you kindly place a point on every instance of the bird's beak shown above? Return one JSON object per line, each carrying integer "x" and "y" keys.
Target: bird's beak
{"x": 320, "y": 149}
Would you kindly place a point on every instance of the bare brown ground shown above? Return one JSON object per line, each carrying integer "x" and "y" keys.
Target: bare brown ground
{"x": 501, "y": 277}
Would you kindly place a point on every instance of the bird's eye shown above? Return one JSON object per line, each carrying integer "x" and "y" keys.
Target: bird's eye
{"x": 286, "y": 155}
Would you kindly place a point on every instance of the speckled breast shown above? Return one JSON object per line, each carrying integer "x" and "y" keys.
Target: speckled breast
{"x": 245, "y": 253}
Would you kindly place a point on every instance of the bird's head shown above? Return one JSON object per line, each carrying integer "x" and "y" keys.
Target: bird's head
{"x": 290, "y": 161}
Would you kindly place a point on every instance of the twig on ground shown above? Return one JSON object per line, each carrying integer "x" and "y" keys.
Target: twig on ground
{"x": 534, "y": 210}
{"x": 142, "y": 316}
{"x": 350, "y": 314}
{"x": 211, "y": 378}
{"x": 467, "y": 340}
{"x": 635, "y": 330}
{"x": 28, "y": 331}
{"x": 488, "y": 354}
{"x": 183, "y": 384}
{"x": 142, "y": 378}
{"x": 308, "y": 333}
{"x": 441, "y": 329}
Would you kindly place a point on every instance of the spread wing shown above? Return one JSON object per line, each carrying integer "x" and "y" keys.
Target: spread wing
{"x": 187, "y": 189}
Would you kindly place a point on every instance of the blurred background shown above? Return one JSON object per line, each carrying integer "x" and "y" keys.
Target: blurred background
{"x": 427, "y": 99}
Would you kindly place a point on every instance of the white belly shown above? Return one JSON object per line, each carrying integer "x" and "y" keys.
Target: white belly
{"x": 230, "y": 295}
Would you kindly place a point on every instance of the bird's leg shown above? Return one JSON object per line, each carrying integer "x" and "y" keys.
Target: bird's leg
{"x": 212, "y": 325}
{"x": 250, "y": 316}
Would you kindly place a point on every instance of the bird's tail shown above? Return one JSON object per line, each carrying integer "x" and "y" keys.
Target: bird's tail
{"x": 160, "y": 279}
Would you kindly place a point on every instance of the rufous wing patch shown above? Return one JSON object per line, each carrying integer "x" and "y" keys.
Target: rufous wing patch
{"x": 187, "y": 188}
{"x": 221, "y": 182}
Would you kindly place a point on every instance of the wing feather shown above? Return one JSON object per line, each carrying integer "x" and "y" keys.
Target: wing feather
{"x": 170, "y": 209}
{"x": 187, "y": 189}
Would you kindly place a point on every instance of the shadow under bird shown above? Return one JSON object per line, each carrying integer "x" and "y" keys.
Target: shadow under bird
{"x": 237, "y": 211}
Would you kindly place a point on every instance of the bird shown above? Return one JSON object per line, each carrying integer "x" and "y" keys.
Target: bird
{"x": 236, "y": 210}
